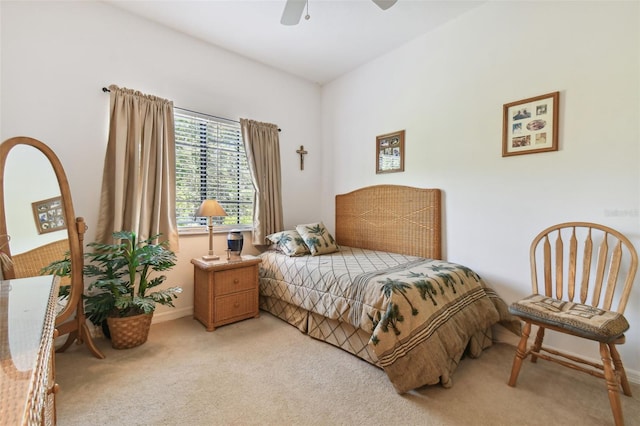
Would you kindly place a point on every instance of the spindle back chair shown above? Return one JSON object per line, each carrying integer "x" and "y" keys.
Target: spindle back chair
{"x": 582, "y": 274}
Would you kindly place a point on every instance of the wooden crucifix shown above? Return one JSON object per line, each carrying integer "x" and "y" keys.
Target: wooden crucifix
{"x": 302, "y": 153}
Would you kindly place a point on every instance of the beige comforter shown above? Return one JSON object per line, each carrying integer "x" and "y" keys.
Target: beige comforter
{"x": 422, "y": 314}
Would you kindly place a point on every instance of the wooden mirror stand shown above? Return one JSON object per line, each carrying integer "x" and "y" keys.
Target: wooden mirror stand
{"x": 71, "y": 319}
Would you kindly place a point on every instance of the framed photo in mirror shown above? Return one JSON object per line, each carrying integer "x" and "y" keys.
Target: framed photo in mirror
{"x": 49, "y": 215}
{"x": 390, "y": 152}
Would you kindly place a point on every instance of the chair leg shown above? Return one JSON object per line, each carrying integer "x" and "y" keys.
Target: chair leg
{"x": 537, "y": 344}
{"x": 612, "y": 384}
{"x": 521, "y": 354}
{"x": 617, "y": 362}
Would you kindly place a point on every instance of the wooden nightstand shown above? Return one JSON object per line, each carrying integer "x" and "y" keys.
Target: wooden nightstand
{"x": 225, "y": 291}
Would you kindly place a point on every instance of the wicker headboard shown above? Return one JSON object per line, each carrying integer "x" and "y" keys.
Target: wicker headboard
{"x": 399, "y": 219}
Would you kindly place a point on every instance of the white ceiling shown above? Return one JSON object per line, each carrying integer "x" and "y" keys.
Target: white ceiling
{"x": 339, "y": 36}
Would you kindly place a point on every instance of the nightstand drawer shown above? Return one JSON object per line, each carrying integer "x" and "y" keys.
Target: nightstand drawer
{"x": 235, "y": 280}
{"x": 236, "y": 305}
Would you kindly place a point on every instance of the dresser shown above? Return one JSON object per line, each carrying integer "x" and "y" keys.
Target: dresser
{"x": 27, "y": 376}
{"x": 225, "y": 291}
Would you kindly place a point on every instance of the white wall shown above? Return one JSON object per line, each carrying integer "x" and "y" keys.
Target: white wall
{"x": 56, "y": 57}
{"x": 447, "y": 90}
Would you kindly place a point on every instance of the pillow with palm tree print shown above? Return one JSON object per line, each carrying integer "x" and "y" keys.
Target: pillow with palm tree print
{"x": 317, "y": 238}
{"x": 289, "y": 243}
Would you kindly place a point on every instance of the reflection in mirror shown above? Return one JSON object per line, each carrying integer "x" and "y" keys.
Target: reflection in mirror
{"x": 36, "y": 212}
{"x": 29, "y": 178}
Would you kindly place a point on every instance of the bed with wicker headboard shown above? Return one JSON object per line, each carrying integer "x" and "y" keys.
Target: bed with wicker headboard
{"x": 379, "y": 289}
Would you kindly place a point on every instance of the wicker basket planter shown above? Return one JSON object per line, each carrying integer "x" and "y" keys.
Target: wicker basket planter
{"x": 123, "y": 284}
{"x": 129, "y": 332}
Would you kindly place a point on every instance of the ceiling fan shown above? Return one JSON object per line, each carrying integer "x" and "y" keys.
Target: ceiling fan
{"x": 293, "y": 10}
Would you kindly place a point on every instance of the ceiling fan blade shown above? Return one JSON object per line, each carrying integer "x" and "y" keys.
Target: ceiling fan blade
{"x": 385, "y": 4}
{"x": 292, "y": 12}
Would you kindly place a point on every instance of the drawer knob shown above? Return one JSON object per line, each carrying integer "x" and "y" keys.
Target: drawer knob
{"x": 236, "y": 281}
{"x": 236, "y": 305}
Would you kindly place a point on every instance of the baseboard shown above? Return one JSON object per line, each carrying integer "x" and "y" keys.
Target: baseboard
{"x": 96, "y": 332}
{"x": 172, "y": 314}
{"x": 502, "y": 335}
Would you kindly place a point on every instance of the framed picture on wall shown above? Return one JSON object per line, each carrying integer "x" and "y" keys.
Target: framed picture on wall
{"x": 390, "y": 152}
{"x": 49, "y": 215}
{"x": 530, "y": 125}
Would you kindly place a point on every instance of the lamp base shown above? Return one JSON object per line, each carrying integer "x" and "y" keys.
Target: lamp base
{"x": 210, "y": 257}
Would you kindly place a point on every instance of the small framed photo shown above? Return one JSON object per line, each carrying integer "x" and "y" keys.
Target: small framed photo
{"x": 390, "y": 152}
{"x": 49, "y": 215}
{"x": 530, "y": 125}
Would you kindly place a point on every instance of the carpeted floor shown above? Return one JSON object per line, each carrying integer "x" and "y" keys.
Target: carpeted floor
{"x": 265, "y": 372}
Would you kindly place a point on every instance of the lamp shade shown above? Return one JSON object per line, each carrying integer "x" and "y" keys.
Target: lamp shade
{"x": 210, "y": 208}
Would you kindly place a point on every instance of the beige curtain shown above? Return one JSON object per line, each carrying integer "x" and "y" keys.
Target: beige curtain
{"x": 262, "y": 144}
{"x": 138, "y": 183}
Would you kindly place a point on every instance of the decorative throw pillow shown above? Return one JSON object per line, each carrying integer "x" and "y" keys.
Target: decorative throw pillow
{"x": 289, "y": 242}
{"x": 317, "y": 238}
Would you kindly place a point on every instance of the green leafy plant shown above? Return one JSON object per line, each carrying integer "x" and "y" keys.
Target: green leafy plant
{"x": 61, "y": 268}
{"x": 123, "y": 277}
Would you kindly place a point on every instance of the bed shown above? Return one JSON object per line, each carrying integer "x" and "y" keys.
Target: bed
{"x": 380, "y": 290}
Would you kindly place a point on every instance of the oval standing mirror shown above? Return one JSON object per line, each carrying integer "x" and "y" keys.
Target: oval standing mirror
{"x": 38, "y": 226}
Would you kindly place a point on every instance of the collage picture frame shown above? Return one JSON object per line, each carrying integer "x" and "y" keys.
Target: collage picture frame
{"x": 390, "y": 152}
{"x": 530, "y": 125}
{"x": 49, "y": 215}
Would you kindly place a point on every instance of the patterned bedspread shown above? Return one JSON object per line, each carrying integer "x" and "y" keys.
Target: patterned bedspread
{"x": 421, "y": 313}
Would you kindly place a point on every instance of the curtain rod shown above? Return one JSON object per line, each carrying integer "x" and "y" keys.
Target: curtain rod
{"x": 104, "y": 89}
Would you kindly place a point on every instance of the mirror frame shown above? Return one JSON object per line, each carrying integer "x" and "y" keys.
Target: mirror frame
{"x": 76, "y": 327}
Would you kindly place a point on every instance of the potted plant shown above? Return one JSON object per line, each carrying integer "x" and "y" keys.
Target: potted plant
{"x": 121, "y": 292}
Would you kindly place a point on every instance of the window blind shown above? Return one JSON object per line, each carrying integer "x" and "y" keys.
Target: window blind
{"x": 211, "y": 164}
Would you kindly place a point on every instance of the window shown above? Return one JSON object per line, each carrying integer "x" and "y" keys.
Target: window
{"x": 211, "y": 164}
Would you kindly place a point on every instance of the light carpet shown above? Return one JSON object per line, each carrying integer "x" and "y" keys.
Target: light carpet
{"x": 265, "y": 372}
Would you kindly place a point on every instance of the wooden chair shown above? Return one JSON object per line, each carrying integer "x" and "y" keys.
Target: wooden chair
{"x": 580, "y": 296}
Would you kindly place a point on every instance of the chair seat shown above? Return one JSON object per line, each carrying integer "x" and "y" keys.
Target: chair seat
{"x": 578, "y": 319}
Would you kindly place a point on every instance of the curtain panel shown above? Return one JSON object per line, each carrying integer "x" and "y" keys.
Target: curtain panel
{"x": 262, "y": 146}
{"x": 138, "y": 184}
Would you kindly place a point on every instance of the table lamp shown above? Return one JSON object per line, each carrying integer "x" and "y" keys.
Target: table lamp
{"x": 210, "y": 208}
